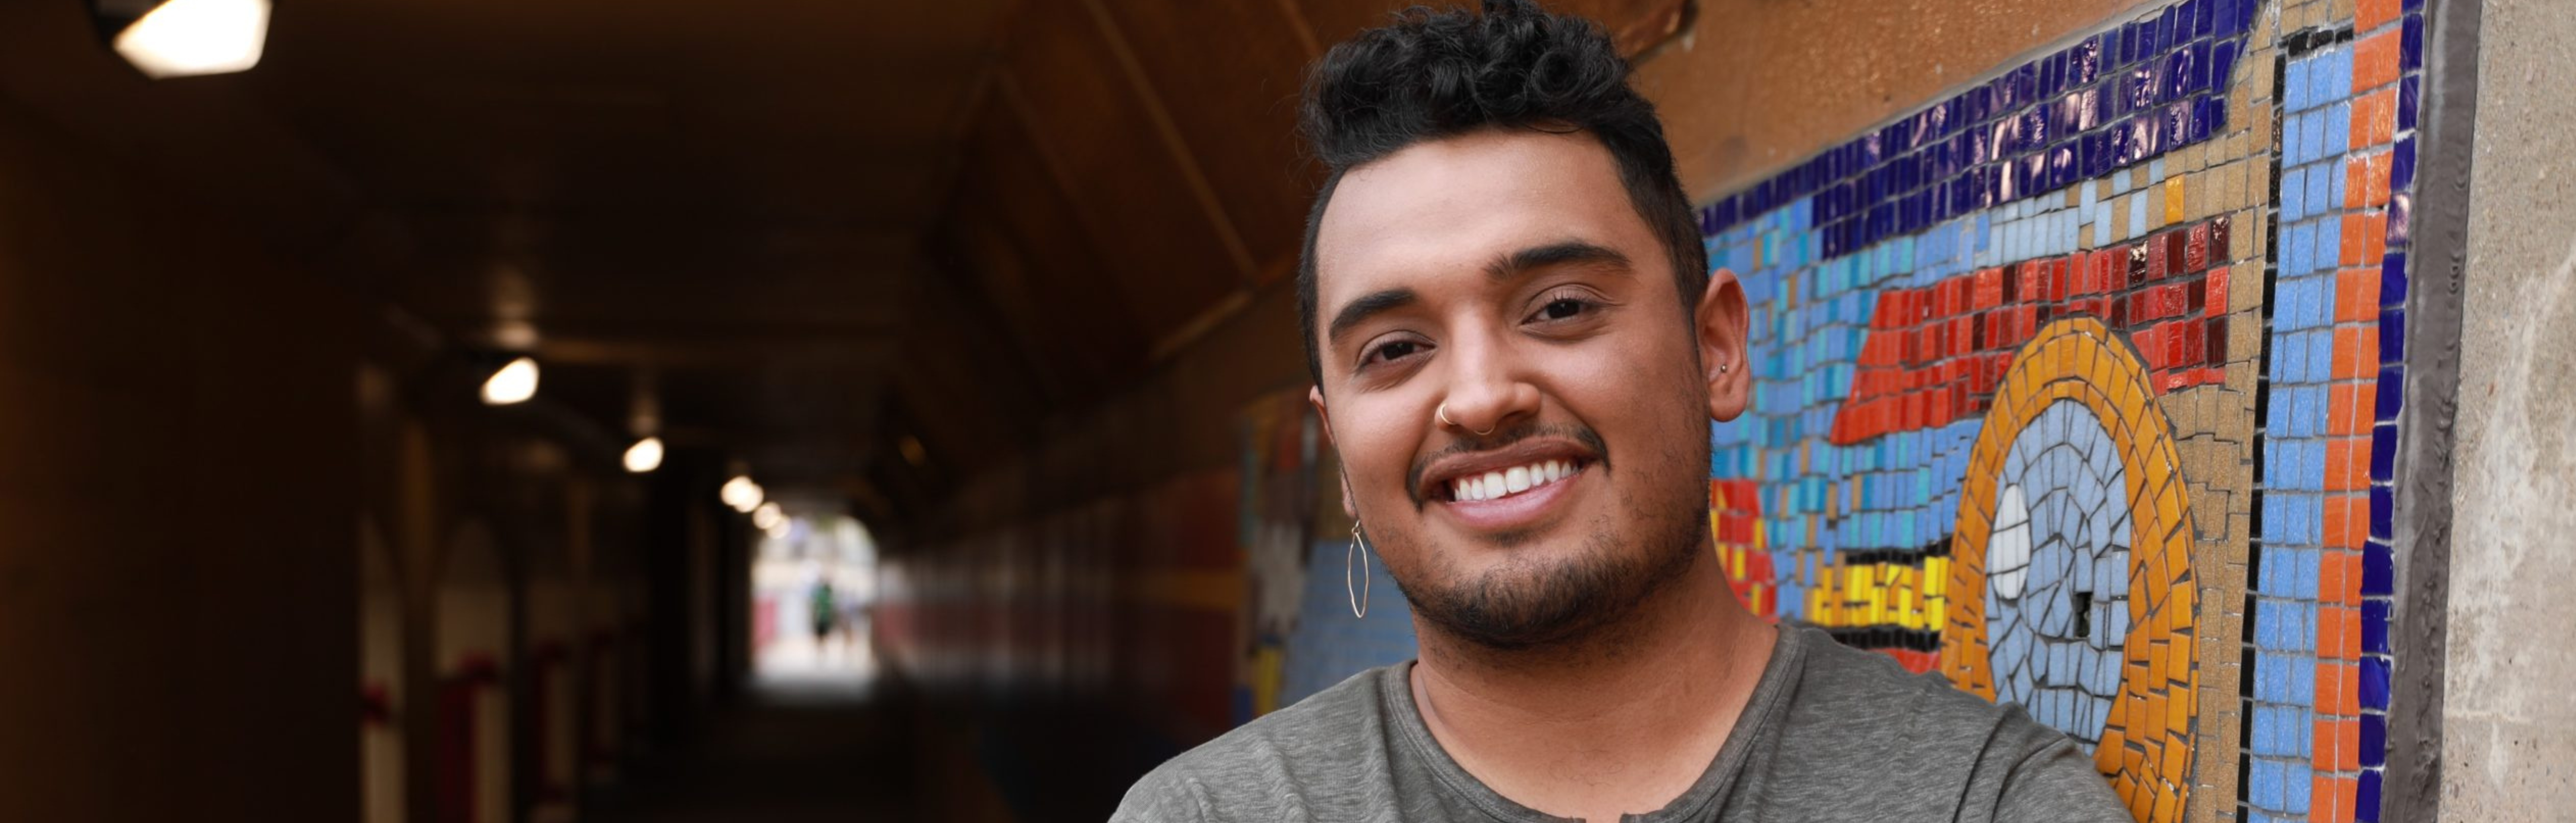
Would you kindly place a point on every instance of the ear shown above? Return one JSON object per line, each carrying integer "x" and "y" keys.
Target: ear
{"x": 1315, "y": 397}
{"x": 1720, "y": 322}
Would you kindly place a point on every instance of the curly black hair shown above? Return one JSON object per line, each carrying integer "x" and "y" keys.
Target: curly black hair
{"x": 1438, "y": 74}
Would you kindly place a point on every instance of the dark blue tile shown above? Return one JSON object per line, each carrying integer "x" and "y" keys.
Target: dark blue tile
{"x": 2414, "y": 5}
{"x": 2061, "y": 166}
{"x": 2177, "y": 75}
{"x": 2115, "y": 48}
{"x": 2383, "y": 453}
{"x": 2365, "y": 798}
{"x": 2406, "y": 103}
{"x": 2204, "y": 119}
{"x": 2222, "y": 64}
{"x": 2391, "y": 393}
{"x": 2086, "y": 64}
{"x": 2168, "y": 34}
{"x": 2374, "y": 728}
{"x": 2374, "y": 683}
{"x": 2200, "y": 66}
{"x": 2392, "y": 335}
{"x": 2392, "y": 279}
{"x": 2410, "y": 48}
{"x": 2374, "y": 640}
{"x": 2401, "y": 165}
{"x": 2203, "y": 16}
{"x": 2378, "y": 569}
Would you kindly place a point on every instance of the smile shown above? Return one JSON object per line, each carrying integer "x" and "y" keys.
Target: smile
{"x": 1503, "y": 483}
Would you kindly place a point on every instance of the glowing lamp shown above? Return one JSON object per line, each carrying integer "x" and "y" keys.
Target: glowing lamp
{"x": 645, "y": 455}
{"x": 512, "y": 383}
{"x": 180, "y": 38}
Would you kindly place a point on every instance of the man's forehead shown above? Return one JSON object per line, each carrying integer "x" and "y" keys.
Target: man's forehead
{"x": 1459, "y": 202}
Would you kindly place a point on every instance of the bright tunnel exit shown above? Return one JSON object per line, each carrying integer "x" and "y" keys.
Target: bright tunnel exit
{"x": 813, "y": 584}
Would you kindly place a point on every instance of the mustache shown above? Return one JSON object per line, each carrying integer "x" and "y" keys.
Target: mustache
{"x": 1470, "y": 444}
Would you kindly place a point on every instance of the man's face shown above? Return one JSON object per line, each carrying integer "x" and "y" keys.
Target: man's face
{"x": 1504, "y": 281}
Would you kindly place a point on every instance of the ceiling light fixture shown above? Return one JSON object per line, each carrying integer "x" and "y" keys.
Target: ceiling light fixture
{"x": 768, "y": 516}
{"x": 645, "y": 455}
{"x": 512, "y": 383}
{"x": 741, "y": 494}
{"x": 180, "y": 38}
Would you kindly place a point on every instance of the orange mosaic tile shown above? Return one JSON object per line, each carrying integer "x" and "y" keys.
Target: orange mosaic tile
{"x": 2371, "y": 14}
{"x": 2374, "y": 60}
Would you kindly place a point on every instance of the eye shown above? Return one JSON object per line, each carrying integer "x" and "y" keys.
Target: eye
{"x": 1391, "y": 351}
{"x": 1564, "y": 305}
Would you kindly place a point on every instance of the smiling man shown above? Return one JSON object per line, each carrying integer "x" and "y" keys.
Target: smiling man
{"x": 1517, "y": 350}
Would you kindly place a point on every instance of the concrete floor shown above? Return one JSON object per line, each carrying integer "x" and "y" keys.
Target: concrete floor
{"x": 789, "y": 753}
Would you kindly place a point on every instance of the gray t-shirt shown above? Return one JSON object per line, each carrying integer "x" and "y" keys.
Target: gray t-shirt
{"x": 1831, "y": 733}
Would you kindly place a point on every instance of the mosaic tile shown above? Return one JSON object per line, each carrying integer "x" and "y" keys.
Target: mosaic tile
{"x": 1995, "y": 286}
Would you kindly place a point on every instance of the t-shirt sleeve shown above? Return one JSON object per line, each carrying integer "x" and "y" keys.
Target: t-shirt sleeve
{"x": 1167, "y": 795}
{"x": 2057, "y": 782}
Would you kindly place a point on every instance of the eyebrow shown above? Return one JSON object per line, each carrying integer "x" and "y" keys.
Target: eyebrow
{"x": 1369, "y": 305}
{"x": 1560, "y": 253}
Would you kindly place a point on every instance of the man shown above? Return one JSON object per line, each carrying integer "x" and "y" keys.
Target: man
{"x": 1517, "y": 354}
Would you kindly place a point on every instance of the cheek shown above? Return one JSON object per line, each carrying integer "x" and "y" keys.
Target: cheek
{"x": 1374, "y": 444}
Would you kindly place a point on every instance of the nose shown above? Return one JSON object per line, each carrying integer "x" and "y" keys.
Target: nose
{"x": 1486, "y": 390}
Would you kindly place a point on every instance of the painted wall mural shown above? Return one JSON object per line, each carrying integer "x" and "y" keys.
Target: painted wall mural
{"x": 2079, "y": 388}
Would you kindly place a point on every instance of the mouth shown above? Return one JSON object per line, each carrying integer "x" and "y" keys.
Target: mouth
{"x": 1503, "y": 483}
{"x": 1512, "y": 489}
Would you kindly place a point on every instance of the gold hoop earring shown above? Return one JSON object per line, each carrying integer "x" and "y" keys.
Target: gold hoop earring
{"x": 1357, "y": 590}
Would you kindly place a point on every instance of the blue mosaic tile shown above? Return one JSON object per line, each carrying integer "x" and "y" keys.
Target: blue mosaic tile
{"x": 2365, "y": 804}
{"x": 2392, "y": 335}
{"x": 2406, "y": 101}
{"x": 2295, "y": 785}
{"x": 2410, "y": 47}
{"x": 2374, "y": 636}
{"x": 2383, "y": 453}
{"x": 2378, "y": 572}
{"x": 2374, "y": 683}
{"x": 2392, "y": 279}
{"x": 2382, "y": 519}
{"x": 2401, "y": 165}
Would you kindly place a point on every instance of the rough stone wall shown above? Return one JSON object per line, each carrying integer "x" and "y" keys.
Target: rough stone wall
{"x": 2506, "y": 749}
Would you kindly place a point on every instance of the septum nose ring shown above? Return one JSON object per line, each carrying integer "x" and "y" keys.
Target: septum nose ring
{"x": 1441, "y": 413}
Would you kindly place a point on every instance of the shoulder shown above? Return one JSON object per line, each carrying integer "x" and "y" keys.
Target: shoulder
{"x": 1851, "y": 686}
{"x": 1914, "y": 731}
{"x": 1268, "y": 767}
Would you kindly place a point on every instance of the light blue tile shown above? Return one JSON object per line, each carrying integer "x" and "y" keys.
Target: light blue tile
{"x": 2294, "y": 136}
{"x": 2312, "y": 131}
{"x": 2339, "y": 76}
{"x": 2322, "y": 189}
{"x": 2339, "y": 127}
{"x": 2321, "y": 76}
{"x": 2295, "y": 86}
{"x": 2295, "y": 783}
{"x": 2294, "y": 189}
{"x": 2321, "y": 341}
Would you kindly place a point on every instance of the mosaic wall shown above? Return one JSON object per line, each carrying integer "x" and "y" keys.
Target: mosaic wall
{"x": 2078, "y": 388}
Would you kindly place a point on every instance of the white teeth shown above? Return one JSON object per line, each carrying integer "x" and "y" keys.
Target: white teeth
{"x": 1517, "y": 479}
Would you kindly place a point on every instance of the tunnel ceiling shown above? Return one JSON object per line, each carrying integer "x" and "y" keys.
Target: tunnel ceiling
{"x": 813, "y": 227}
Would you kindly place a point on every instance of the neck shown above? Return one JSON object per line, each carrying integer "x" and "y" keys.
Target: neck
{"x": 1620, "y": 721}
